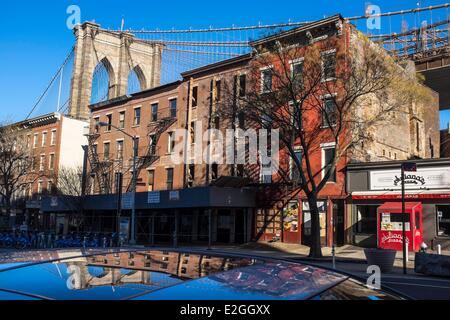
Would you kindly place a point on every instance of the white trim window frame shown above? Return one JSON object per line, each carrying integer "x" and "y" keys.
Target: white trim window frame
{"x": 44, "y": 139}
{"x": 324, "y": 147}
{"x": 51, "y": 161}
{"x": 35, "y": 140}
{"x": 137, "y": 117}
{"x": 263, "y": 85}
{"x": 295, "y": 62}
{"x": 42, "y": 162}
{"x": 324, "y": 54}
{"x": 53, "y": 138}
{"x": 121, "y": 155}
{"x": 170, "y": 142}
{"x": 325, "y": 98}
{"x": 291, "y": 161}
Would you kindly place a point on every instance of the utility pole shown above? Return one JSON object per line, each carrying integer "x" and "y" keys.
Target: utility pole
{"x": 119, "y": 185}
{"x": 403, "y": 219}
{"x": 409, "y": 167}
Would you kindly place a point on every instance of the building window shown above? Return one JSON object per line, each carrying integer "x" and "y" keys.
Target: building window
{"x": 366, "y": 220}
{"x": 443, "y": 220}
{"x": 44, "y": 139}
{"x": 53, "y": 138}
{"x": 96, "y": 126}
{"x": 51, "y": 164}
{"x": 328, "y": 155}
{"x": 192, "y": 132}
{"x": 170, "y": 179}
{"x": 214, "y": 171}
{"x": 95, "y": 149}
{"x": 329, "y": 113}
{"x": 173, "y": 108}
{"x": 137, "y": 117}
{"x": 35, "y": 140}
{"x": 154, "y": 109}
{"x": 240, "y": 171}
{"x": 34, "y": 164}
{"x": 297, "y": 73}
{"x": 106, "y": 150}
{"x": 122, "y": 120}
{"x": 171, "y": 142}
{"x": 28, "y": 141}
{"x": 295, "y": 171}
{"x": 39, "y": 189}
{"x": 194, "y": 97}
{"x": 119, "y": 150}
{"x": 42, "y": 163}
{"x": 266, "y": 77}
{"x": 153, "y": 144}
{"x": 218, "y": 90}
{"x": 329, "y": 66}
{"x": 151, "y": 180}
{"x": 241, "y": 120}
{"x": 191, "y": 177}
{"x": 266, "y": 173}
{"x": 109, "y": 122}
{"x": 242, "y": 85}
{"x": 217, "y": 123}
{"x": 50, "y": 187}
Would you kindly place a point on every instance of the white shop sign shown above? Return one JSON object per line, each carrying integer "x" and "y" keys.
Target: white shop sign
{"x": 424, "y": 178}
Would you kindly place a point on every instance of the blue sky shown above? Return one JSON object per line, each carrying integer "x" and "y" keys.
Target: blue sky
{"x": 34, "y": 38}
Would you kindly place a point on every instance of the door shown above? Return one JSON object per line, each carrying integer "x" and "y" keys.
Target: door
{"x": 240, "y": 226}
{"x": 338, "y": 223}
{"x": 223, "y": 227}
{"x": 306, "y": 225}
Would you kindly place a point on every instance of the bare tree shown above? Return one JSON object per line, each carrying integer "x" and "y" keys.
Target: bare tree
{"x": 321, "y": 93}
{"x": 69, "y": 191}
{"x": 16, "y": 165}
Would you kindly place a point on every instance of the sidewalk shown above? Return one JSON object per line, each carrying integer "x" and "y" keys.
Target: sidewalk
{"x": 348, "y": 258}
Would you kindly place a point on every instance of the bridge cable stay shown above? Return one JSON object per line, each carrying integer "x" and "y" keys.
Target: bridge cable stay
{"x": 187, "y": 49}
{"x": 52, "y": 81}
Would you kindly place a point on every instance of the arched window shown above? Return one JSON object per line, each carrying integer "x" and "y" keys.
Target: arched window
{"x": 136, "y": 80}
{"x": 101, "y": 81}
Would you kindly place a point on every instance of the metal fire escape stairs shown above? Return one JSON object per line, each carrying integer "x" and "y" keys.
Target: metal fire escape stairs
{"x": 151, "y": 155}
{"x": 101, "y": 170}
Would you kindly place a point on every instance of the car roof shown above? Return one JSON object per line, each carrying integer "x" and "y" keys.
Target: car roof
{"x": 158, "y": 274}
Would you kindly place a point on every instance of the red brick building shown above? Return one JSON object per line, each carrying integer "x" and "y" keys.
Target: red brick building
{"x": 198, "y": 202}
{"x": 54, "y": 142}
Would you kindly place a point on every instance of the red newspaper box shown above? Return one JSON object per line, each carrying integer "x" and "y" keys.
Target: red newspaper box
{"x": 390, "y": 230}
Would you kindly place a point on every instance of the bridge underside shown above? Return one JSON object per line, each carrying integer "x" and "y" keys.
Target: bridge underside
{"x": 437, "y": 77}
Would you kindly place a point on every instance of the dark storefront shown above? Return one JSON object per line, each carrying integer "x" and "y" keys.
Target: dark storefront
{"x": 372, "y": 185}
{"x": 185, "y": 216}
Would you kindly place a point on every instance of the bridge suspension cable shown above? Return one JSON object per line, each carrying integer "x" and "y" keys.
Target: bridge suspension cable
{"x": 52, "y": 81}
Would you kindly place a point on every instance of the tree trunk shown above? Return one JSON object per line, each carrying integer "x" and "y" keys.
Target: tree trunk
{"x": 315, "y": 246}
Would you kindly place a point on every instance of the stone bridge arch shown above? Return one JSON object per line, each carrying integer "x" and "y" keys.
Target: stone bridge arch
{"x": 123, "y": 53}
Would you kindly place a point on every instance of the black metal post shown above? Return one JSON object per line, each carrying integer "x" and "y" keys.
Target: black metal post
{"x": 175, "y": 234}
{"x": 209, "y": 229}
{"x": 119, "y": 185}
{"x": 133, "y": 192}
{"x": 403, "y": 219}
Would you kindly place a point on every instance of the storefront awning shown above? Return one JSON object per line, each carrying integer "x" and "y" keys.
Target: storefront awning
{"x": 397, "y": 195}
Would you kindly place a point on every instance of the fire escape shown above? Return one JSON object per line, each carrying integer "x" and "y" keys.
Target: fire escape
{"x": 151, "y": 155}
{"x": 100, "y": 169}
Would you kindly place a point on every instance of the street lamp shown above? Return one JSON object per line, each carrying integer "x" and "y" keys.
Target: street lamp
{"x": 134, "y": 178}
